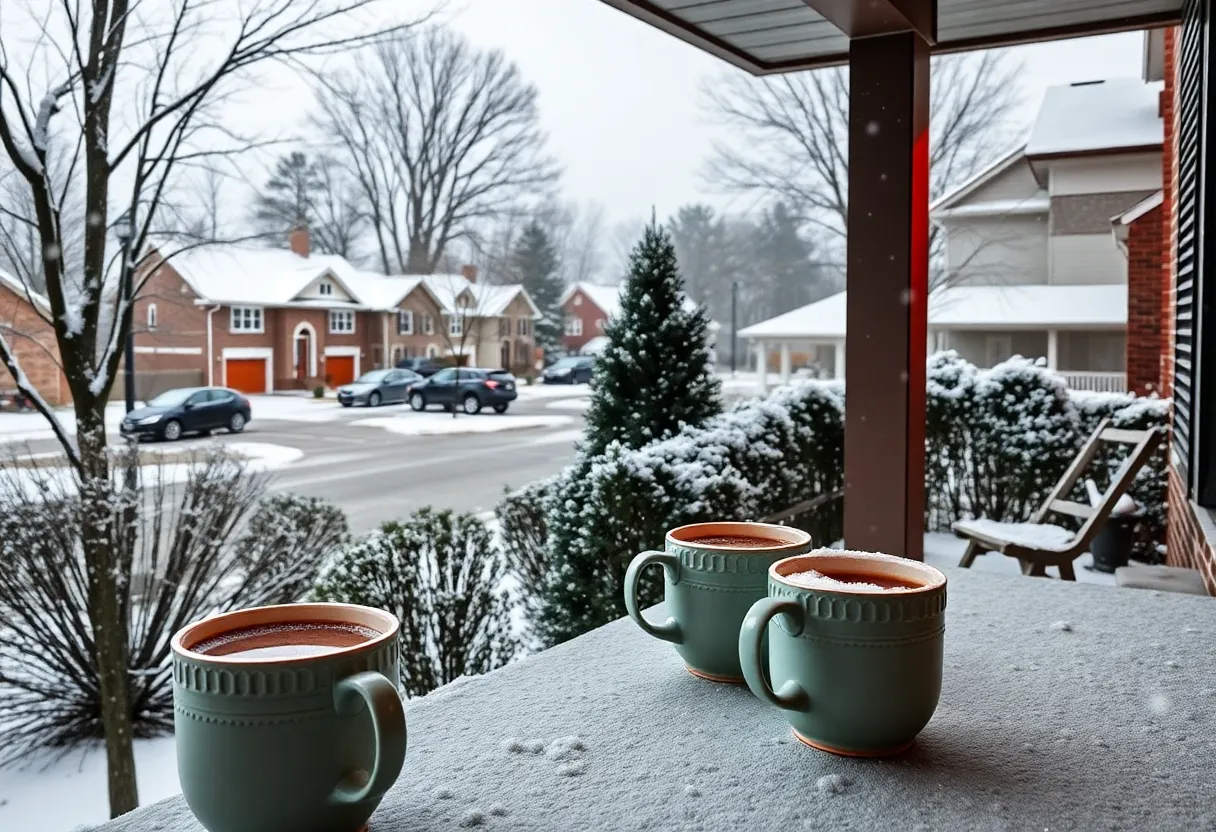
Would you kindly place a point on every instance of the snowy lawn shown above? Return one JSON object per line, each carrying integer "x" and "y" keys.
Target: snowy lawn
{"x": 573, "y": 405}
{"x": 30, "y": 427}
{"x": 552, "y": 391}
{"x": 442, "y": 424}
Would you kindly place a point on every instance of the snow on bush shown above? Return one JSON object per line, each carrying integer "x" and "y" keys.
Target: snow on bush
{"x": 759, "y": 458}
{"x": 440, "y": 574}
{"x": 524, "y": 534}
{"x": 185, "y": 550}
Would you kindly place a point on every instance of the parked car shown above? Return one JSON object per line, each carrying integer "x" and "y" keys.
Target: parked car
{"x": 425, "y": 367}
{"x": 379, "y": 387}
{"x": 573, "y": 369}
{"x": 469, "y": 388}
{"x": 174, "y": 413}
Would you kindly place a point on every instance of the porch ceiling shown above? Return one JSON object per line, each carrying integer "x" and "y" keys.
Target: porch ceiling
{"x": 766, "y": 36}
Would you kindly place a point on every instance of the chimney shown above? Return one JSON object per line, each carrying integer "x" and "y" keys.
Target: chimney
{"x": 469, "y": 272}
{"x": 300, "y": 240}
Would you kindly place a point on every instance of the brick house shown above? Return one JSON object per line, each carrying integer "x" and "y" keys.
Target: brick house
{"x": 587, "y": 308}
{"x": 261, "y": 320}
{"x": 24, "y": 327}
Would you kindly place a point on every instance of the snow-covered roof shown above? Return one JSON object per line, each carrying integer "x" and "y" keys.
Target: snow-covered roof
{"x": 1100, "y": 115}
{"x": 1040, "y": 203}
{"x": 19, "y": 288}
{"x": 1040, "y": 306}
{"x": 246, "y": 275}
{"x": 608, "y": 298}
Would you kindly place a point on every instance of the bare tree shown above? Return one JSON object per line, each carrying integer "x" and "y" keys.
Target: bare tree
{"x": 578, "y": 233}
{"x": 791, "y": 133}
{"x": 439, "y": 137}
{"x": 107, "y": 100}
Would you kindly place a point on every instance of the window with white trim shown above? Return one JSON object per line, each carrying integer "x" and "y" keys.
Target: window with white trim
{"x": 152, "y": 316}
{"x": 246, "y": 319}
{"x": 405, "y": 322}
{"x": 455, "y": 325}
{"x": 325, "y": 288}
{"x": 341, "y": 321}
{"x": 428, "y": 325}
{"x": 522, "y": 327}
{"x": 574, "y": 326}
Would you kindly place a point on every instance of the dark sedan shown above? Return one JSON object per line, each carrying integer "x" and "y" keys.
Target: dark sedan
{"x": 468, "y": 388}
{"x": 425, "y": 367}
{"x": 573, "y": 369}
{"x": 379, "y": 387}
{"x": 174, "y": 413}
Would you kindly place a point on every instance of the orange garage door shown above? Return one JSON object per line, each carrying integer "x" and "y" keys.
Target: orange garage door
{"x": 339, "y": 369}
{"x": 245, "y": 374}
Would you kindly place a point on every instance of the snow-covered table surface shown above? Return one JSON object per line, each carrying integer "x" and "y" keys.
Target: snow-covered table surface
{"x": 1064, "y": 706}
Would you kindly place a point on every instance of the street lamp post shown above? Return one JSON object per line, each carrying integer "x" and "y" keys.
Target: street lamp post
{"x": 124, "y": 230}
{"x": 734, "y": 317}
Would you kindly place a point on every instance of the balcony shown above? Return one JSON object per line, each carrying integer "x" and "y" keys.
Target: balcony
{"x": 1094, "y": 382}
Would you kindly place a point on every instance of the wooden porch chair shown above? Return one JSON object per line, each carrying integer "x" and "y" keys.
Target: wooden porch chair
{"x": 1038, "y": 544}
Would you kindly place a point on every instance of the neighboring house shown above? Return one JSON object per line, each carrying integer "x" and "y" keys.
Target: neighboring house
{"x": 260, "y": 320}
{"x": 588, "y": 307}
{"x": 24, "y": 326}
{"x": 1031, "y": 265}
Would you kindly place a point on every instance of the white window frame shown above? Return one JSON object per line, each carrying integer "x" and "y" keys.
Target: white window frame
{"x": 325, "y": 288}
{"x": 152, "y": 316}
{"x": 428, "y": 324}
{"x": 247, "y": 320}
{"x": 574, "y": 327}
{"x": 337, "y": 315}
{"x": 455, "y": 325}
{"x": 521, "y": 327}
{"x": 406, "y": 315}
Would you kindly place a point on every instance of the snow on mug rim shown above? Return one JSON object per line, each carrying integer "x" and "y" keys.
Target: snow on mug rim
{"x": 825, "y": 561}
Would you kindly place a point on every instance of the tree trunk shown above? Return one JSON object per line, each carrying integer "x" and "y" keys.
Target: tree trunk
{"x": 107, "y": 570}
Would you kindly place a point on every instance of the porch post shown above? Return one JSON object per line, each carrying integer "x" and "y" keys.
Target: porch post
{"x": 887, "y": 312}
{"x": 1053, "y": 349}
{"x": 762, "y": 365}
{"x": 786, "y": 362}
{"x": 838, "y": 363}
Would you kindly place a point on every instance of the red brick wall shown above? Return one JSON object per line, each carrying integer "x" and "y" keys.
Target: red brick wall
{"x": 580, "y": 306}
{"x": 32, "y": 341}
{"x": 1187, "y": 544}
{"x": 180, "y": 324}
{"x": 1146, "y": 271}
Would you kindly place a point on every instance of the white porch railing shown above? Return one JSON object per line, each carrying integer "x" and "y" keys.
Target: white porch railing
{"x": 1095, "y": 382}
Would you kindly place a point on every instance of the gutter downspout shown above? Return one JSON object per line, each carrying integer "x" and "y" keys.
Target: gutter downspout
{"x": 385, "y": 357}
{"x": 210, "y": 348}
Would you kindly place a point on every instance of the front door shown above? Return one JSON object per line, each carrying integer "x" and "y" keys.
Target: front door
{"x": 303, "y": 355}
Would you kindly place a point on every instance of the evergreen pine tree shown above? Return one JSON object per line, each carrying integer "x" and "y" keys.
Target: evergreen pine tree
{"x": 534, "y": 263}
{"x": 654, "y": 375}
{"x": 653, "y": 378}
{"x": 290, "y": 196}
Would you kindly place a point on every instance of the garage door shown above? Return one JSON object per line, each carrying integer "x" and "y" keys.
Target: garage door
{"x": 339, "y": 369}
{"x": 245, "y": 374}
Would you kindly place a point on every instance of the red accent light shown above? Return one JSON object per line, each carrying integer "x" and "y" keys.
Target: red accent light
{"x": 490, "y": 383}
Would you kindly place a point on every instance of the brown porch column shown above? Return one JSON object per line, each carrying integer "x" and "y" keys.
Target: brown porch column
{"x": 888, "y": 270}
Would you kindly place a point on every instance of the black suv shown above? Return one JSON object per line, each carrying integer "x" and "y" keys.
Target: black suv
{"x": 468, "y": 388}
{"x": 573, "y": 369}
{"x": 425, "y": 367}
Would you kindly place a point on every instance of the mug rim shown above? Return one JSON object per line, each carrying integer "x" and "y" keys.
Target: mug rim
{"x": 386, "y": 624}
{"x": 740, "y": 528}
{"x": 933, "y": 577}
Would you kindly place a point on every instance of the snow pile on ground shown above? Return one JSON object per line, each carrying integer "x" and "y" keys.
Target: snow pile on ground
{"x": 573, "y": 405}
{"x": 30, "y": 427}
{"x": 442, "y": 424}
{"x": 552, "y": 391}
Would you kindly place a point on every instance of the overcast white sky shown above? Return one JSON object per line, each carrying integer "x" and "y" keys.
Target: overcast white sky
{"x": 620, "y": 101}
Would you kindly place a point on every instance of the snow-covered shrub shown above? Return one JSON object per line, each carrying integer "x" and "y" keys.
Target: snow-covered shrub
{"x": 524, "y": 535}
{"x": 194, "y": 538}
{"x": 440, "y": 574}
{"x": 757, "y": 459}
{"x": 949, "y": 406}
{"x": 1149, "y": 487}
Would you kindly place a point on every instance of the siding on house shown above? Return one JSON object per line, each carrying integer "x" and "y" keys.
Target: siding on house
{"x": 1105, "y": 174}
{"x": 33, "y": 343}
{"x": 983, "y": 251}
{"x": 1015, "y": 182}
{"x": 1087, "y": 258}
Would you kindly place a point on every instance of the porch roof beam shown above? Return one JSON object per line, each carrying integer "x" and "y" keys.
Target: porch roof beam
{"x": 866, "y": 18}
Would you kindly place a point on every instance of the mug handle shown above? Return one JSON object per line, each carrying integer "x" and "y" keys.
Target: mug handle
{"x": 791, "y": 697}
{"x": 388, "y": 721}
{"x": 669, "y": 630}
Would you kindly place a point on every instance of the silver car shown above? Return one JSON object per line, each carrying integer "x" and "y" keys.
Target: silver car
{"x": 378, "y": 387}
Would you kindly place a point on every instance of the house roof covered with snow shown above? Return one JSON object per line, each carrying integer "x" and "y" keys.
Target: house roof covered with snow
{"x": 18, "y": 287}
{"x": 1119, "y": 114}
{"x": 1037, "y": 307}
{"x": 608, "y": 298}
{"x": 251, "y": 276}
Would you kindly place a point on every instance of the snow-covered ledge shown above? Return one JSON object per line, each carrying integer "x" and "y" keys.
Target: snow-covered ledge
{"x": 1065, "y": 706}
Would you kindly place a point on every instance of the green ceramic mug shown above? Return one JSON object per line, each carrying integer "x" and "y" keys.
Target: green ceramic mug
{"x": 709, "y": 586}
{"x": 288, "y": 739}
{"x": 854, "y": 648}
